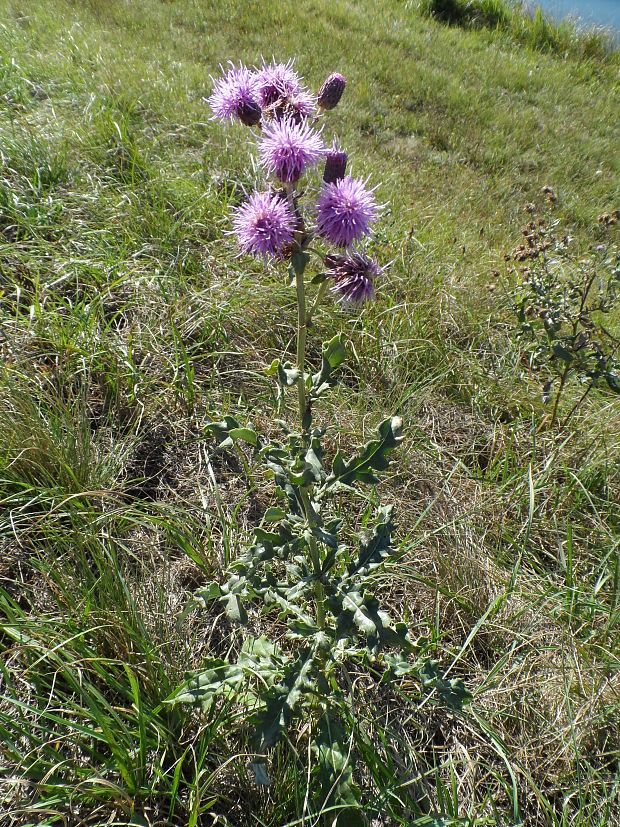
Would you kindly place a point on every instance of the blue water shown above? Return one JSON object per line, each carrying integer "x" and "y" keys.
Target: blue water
{"x": 588, "y": 12}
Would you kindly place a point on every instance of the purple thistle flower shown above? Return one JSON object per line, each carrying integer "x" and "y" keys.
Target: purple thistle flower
{"x": 335, "y": 165}
{"x": 345, "y": 211}
{"x": 296, "y": 107}
{"x": 276, "y": 81}
{"x": 234, "y": 96}
{"x": 354, "y": 276}
{"x": 287, "y": 148}
{"x": 299, "y": 106}
{"x": 264, "y": 225}
{"x": 331, "y": 91}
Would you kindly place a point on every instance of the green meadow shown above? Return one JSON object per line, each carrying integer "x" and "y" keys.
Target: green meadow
{"x": 128, "y": 320}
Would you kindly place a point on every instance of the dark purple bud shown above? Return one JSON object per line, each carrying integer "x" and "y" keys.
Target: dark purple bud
{"x": 331, "y": 91}
{"x": 249, "y": 112}
{"x": 335, "y": 165}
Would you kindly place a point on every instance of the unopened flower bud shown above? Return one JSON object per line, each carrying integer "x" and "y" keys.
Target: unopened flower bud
{"x": 249, "y": 113}
{"x": 331, "y": 91}
{"x": 335, "y": 165}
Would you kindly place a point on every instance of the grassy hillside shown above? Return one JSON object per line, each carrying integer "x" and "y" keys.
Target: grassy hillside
{"x": 128, "y": 320}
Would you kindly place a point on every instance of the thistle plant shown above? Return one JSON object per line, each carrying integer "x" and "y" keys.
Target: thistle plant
{"x": 305, "y": 563}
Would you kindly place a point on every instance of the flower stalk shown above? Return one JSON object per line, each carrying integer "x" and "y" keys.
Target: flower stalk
{"x": 302, "y": 330}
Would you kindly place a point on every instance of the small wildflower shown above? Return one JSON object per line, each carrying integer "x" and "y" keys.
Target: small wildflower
{"x": 234, "y": 96}
{"x": 264, "y": 225}
{"x": 354, "y": 276}
{"x": 288, "y": 148}
{"x": 335, "y": 165}
{"x": 275, "y": 82}
{"x": 331, "y": 91}
{"x": 346, "y": 210}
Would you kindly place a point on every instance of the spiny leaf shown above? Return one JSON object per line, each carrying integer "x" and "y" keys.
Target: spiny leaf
{"x": 273, "y": 514}
{"x": 299, "y": 260}
{"x": 218, "y": 678}
{"x": 613, "y": 381}
{"x": 561, "y": 352}
{"x": 451, "y": 692}
{"x": 374, "y": 551}
{"x": 228, "y": 432}
{"x": 282, "y": 699}
{"x": 372, "y": 457}
{"x": 235, "y": 609}
{"x": 334, "y": 354}
{"x": 259, "y": 771}
{"x": 336, "y": 773}
{"x": 212, "y": 591}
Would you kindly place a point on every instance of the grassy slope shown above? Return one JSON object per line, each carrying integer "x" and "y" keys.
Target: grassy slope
{"x": 126, "y": 317}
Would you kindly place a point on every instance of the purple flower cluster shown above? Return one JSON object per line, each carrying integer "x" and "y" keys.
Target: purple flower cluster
{"x": 235, "y": 96}
{"x": 276, "y": 81}
{"x": 288, "y": 149}
{"x": 264, "y": 225}
{"x": 271, "y": 224}
{"x": 273, "y": 91}
{"x": 346, "y": 209}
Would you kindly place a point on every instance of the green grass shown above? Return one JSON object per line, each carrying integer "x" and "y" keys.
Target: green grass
{"x": 127, "y": 321}
{"x": 535, "y": 29}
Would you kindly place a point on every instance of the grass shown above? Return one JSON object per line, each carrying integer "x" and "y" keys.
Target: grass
{"x": 535, "y": 29}
{"x": 127, "y": 321}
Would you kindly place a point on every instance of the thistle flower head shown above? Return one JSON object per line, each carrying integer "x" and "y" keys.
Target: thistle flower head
{"x": 354, "y": 276}
{"x": 234, "y": 96}
{"x": 346, "y": 210}
{"x": 276, "y": 81}
{"x": 300, "y": 105}
{"x": 297, "y": 107}
{"x": 288, "y": 148}
{"x": 264, "y": 225}
{"x": 335, "y": 164}
{"x": 331, "y": 91}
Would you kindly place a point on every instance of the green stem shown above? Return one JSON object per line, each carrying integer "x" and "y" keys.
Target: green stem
{"x": 304, "y": 320}
{"x": 557, "y": 397}
{"x": 578, "y": 403}
{"x": 302, "y": 329}
{"x": 319, "y": 591}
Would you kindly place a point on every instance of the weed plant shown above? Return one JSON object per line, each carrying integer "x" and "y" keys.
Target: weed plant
{"x": 128, "y": 322}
